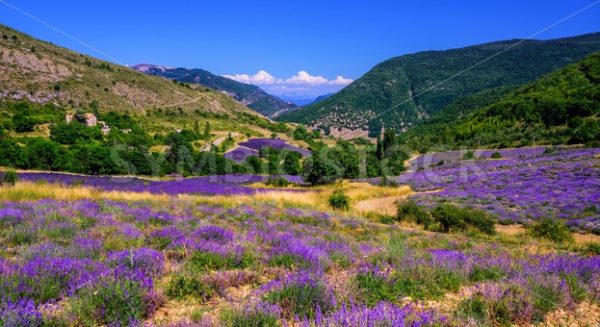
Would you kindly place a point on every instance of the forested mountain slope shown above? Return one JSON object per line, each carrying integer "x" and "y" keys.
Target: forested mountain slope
{"x": 405, "y": 90}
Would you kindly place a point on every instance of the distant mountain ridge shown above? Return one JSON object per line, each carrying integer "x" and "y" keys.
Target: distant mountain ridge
{"x": 402, "y": 91}
{"x": 249, "y": 95}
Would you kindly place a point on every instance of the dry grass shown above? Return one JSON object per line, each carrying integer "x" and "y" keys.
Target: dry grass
{"x": 315, "y": 198}
{"x": 34, "y": 191}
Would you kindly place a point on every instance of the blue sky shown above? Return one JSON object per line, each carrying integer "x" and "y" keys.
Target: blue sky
{"x": 321, "y": 39}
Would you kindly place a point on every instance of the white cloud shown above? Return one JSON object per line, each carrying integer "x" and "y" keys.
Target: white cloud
{"x": 303, "y": 84}
{"x": 260, "y": 78}
{"x": 340, "y": 80}
{"x": 304, "y": 78}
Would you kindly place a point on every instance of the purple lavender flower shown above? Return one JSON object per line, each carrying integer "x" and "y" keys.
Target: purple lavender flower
{"x": 21, "y": 313}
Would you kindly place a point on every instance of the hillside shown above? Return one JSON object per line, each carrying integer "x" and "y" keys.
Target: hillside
{"x": 41, "y": 72}
{"x": 321, "y": 98}
{"x": 249, "y": 95}
{"x": 383, "y": 95}
{"x": 561, "y": 107}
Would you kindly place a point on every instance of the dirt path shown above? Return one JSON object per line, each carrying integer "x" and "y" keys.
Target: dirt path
{"x": 384, "y": 206}
{"x": 218, "y": 141}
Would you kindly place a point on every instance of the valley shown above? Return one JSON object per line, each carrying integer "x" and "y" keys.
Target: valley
{"x": 442, "y": 188}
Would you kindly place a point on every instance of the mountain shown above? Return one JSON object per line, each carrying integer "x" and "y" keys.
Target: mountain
{"x": 321, "y": 98}
{"x": 40, "y": 72}
{"x": 559, "y": 108}
{"x": 249, "y": 95}
{"x": 404, "y": 90}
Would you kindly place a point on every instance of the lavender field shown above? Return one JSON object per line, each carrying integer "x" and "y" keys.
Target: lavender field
{"x": 253, "y": 146}
{"x": 287, "y": 259}
{"x": 205, "y": 185}
{"x": 183, "y": 263}
{"x": 521, "y": 186}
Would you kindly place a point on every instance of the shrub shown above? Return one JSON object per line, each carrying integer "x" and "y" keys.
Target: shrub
{"x": 339, "y": 200}
{"x": 181, "y": 287}
{"x": 203, "y": 261}
{"x": 593, "y": 248}
{"x": 262, "y": 316}
{"x": 551, "y": 229}
{"x": 374, "y": 289}
{"x": 411, "y": 211}
{"x": 23, "y": 123}
{"x": 474, "y": 307}
{"x": 451, "y": 217}
{"x": 418, "y": 282}
{"x": 469, "y": 155}
{"x": 111, "y": 302}
{"x": 302, "y": 296}
{"x": 387, "y": 220}
{"x": 9, "y": 177}
{"x": 480, "y": 220}
{"x": 547, "y": 298}
{"x": 480, "y": 274}
{"x": 277, "y": 182}
{"x": 21, "y": 235}
{"x": 496, "y": 155}
{"x": 287, "y": 260}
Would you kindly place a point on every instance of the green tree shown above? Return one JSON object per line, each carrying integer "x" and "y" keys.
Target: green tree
{"x": 347, "y": 157}
{"x": 255, "y": 163}
{"x": 207, "y": 130}
{"x": 379, "y": 153}
{"x": 179, "y": 156}
{"x": 320, "y": 168}
{"x": 22, "y": 123}
{"x": 12, "y": 154}
{"x": 73, "y": 133}
{"x": 93, "y": 159}
{"x": 389, "y": 139}
{"x": 588, "y": 132}
{"x": 42, "y": 154}
{"x": 291, "y": 163}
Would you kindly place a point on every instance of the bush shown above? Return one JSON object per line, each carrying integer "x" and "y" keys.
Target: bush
{"x": 181, "y": 287}
{"x": 339, "y": 200}
{"x": 593, "y": 249}
{"x": 115, "y": 302}
{"x": 480, "y": 220}
{"x": 496, "y": 155}
{"x": 551, "y": 229}
{"x": 300, "y": 299}
{"x": 23, "y": 123}
{"x": 419, "y": 283}
{"x": 251, "y": 317}
{"x": 411, "y": 211}
{"x": 287, "y": 260}
{"x": 277, "y": 182}
{"x": 451, "y": 217}
{"x": 203, "y": 261}
{"x": 9, "y": 177}
{"x": 486, "y": 312}
{"x": 469, "y": 155}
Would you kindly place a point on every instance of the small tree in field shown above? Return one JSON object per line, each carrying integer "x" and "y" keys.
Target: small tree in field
{"x": 9, "y": 177}
{"x": 339, "y": 200}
